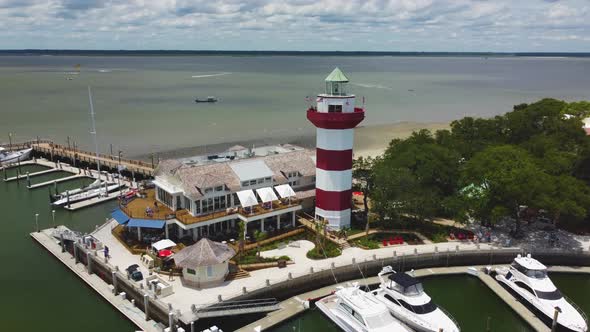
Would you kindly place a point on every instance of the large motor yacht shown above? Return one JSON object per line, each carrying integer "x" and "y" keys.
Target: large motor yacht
{"x": 528, "y": 278}
{"x": 355, "y": 310}
{"x": 405, "y": 298}
{"x": 7, "y": 157}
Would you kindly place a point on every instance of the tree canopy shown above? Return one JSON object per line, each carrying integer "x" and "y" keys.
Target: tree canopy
{"x": 537, "y": 155}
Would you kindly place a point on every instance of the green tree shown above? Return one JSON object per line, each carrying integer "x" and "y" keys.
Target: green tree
{"x": 241, "y": 235}
{"x": 259, "y": 236}
{"x": 509, "y": 178}
{"x": 569, "y": 196}
{"x": 364, "y": 180}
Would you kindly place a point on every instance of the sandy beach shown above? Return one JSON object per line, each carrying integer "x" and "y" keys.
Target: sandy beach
{"x": 368, "y": 140}
{"x": 371, "y": 141}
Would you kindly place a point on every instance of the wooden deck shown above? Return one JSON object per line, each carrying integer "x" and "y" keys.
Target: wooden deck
{"x": 137, "y": 209}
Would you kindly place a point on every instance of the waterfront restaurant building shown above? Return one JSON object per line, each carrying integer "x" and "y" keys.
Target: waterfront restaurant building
{"x": 263, "y": 186}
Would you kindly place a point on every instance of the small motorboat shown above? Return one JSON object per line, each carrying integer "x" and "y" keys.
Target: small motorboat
{"x": 8, "y": 157}
{"x": 355, "y": 310}
{"x": 209, "y": 99}
{"x": 405, "y": 298}
{"x": 528, "y": 278}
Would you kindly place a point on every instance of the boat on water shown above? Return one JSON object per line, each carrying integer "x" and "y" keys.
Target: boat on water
{"x": 209, "y": 99}
{"x": 92, "y": 193}
{"x": 528, "y": 278}
{"x": 355, "y": 310}
{"x": 7, "y": 157}
{"x": 406, "y": 299}
{"x": 96, "y": 184}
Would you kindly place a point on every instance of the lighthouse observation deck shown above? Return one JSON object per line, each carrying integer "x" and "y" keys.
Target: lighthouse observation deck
{"x": 336, "y": 120}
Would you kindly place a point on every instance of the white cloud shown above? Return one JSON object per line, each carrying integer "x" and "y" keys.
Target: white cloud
{"x": 500, "y": 25}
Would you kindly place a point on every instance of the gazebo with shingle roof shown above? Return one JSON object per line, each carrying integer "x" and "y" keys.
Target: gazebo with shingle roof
{"x": 205, "y": 263}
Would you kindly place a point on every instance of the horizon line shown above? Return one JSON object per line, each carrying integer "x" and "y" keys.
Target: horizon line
{"x": 40, "y": 51}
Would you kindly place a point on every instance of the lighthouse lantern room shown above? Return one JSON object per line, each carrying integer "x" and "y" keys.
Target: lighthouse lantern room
{"x": 335, "y": 118}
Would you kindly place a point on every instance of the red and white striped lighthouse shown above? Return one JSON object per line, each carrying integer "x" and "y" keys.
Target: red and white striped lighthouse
{"x": 335, "y": 118}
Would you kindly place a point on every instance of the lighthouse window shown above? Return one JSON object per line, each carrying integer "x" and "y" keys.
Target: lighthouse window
{"x": 334, "y": 108}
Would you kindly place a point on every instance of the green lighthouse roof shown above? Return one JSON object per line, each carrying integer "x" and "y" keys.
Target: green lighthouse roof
{"x": 336, "y": 76}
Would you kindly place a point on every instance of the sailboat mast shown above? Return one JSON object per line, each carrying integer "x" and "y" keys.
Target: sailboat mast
{"x": 93, "y": 132}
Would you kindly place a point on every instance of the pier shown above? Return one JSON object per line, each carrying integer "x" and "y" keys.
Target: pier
{"x": 126, "y": 307}
{"x": 55, "y": 152}
{"x": 53, "y": 182}
{"x": 294, "y": 305}
{"x": 30, "y": 175}
{"x": 77, "y": 173}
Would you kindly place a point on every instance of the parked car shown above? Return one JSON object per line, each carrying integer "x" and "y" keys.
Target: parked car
{"x": 136, "y": 275}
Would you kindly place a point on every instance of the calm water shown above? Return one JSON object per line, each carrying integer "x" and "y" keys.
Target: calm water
{"x": 36, "y": 284}
{"x": 468, "y": 300}
{"x": 145, "y": 104}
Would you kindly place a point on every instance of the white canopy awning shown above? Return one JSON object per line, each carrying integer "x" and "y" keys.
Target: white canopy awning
{"x": 285, "y": 191}
{"x": 266, "y": 194}
{"x": 163, "y": 244}
{"x": 247, "y": 198}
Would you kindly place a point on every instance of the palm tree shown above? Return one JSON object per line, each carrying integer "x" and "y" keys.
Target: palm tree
{"x": 241, "y": 236}
{"x": 259, "y": 236}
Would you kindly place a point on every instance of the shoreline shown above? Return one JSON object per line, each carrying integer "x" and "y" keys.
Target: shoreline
{"x": 369, "y": 141}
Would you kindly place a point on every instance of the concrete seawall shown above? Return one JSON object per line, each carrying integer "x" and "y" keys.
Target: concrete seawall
{"x": 359, "y": 270}
{"x": 108, "y": 281}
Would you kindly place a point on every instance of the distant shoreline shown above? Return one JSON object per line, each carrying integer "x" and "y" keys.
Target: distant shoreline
{"x": 71, "y": 52}
{"x": 369, "y": 141}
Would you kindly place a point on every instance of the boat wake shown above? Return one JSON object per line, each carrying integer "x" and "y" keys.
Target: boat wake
{"x": 372, "y": 86}
{"x": 210, "y": 75}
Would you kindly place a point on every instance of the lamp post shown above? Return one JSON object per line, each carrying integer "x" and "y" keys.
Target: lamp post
{"x": 119, "y": 171}
{"x": 53, "y": 217}
{"x": 37, "y": 221}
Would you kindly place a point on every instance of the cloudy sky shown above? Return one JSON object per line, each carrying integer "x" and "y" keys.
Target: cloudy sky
{"x": 348, "y": 25}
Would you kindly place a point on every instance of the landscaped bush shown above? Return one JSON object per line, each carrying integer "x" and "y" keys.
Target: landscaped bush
{"x": 367, "y": 242}
{"x": 326, "y": 250}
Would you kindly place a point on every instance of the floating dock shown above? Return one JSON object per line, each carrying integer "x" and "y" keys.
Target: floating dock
{"x": 30, "y": 175}
{"x": 67, "y": 178}
{"x": 77, "y": 174}
{"x": 127, "y": 308}
{"x": 294, "y": 305}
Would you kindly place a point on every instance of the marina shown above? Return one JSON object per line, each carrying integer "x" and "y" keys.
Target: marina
{"x": 259, "y": 234}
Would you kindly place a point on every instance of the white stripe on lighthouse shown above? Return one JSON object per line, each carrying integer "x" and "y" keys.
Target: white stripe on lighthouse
{"x": 333, "y": 180}
{"x": 336, "y": 219}
{"x": 335, "y": 139}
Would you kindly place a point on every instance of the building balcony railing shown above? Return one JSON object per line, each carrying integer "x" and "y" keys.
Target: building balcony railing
{"x": 186, "y": 218}
{"x": 336, "y": 120}
{"x": 149, "y": 208}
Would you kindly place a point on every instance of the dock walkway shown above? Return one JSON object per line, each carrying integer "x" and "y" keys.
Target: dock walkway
{"x": 47, "y": 183}
{"x": 113, "y": 162}
{"x": 294, "y": 305}
{"x": 133, "y": 313}
{"x": 30, "y": 175}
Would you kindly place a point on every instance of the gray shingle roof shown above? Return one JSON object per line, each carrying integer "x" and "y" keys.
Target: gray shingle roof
{"x": 203, "y": 253}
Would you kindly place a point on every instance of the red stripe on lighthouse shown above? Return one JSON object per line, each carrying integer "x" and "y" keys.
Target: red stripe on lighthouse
{"x": 330, "y": 160}
{"x": 333, "y": 200}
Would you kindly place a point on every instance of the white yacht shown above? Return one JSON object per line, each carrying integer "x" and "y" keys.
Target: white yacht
{"x": 405, "y": 298}
{"x": 96, "y": 184}
{"x": 97, "y": 192}
{"x": 7, "y": 157}
{"x": 528, "y": 278}
{"x": 354, "y": 310}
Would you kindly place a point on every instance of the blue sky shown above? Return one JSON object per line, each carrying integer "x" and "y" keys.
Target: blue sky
{"x": 369, "y": 25}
